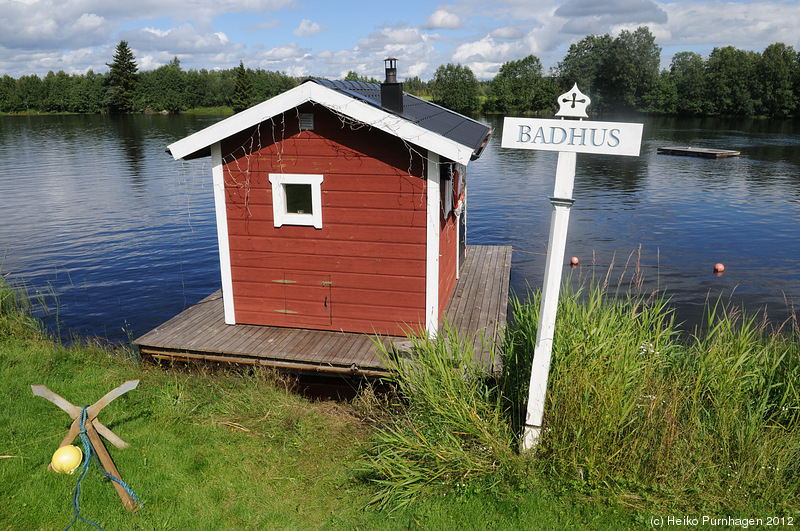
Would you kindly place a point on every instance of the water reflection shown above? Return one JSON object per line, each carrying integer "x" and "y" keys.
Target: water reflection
{"x": 599, "y": 172}
{"x": 673, "y": 217}
{"x": 120, "y": 237}
{"x": 104, "y": 225}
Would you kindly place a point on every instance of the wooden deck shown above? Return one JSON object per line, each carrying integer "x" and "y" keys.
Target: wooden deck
{"x": 477, "y": 309}
{"x": 706, "y": 153}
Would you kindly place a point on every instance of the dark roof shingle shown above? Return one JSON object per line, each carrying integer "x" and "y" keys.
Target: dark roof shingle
{"x": 425, "y": 114}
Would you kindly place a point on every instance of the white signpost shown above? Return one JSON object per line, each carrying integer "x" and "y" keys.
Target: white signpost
{"x": 568, "y": 137}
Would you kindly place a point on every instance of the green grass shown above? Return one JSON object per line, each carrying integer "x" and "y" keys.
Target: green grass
{"x": 207, "y": 451}
{"x": 641, "y": 421}
{"x": 203, "y": 111}
{"x": 221, "y": 449}
{"x": 209, "y": 111}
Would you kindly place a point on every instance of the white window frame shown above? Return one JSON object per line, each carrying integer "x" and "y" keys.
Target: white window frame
{"x": 280, "y": 215}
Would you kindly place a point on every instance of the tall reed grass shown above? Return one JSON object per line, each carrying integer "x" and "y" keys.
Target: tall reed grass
{"x": 708, "y": 419}
{"x": 449, "y": 432}
{"x": 15, "y": 311}
{"x": 637, "y": 409}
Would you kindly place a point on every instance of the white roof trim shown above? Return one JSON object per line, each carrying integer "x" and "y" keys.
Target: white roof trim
{"x": 336, "y": 101}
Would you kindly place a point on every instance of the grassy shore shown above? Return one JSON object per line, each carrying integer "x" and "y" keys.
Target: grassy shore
{"x": 201, "y": 111}
{"x": 221, "y": 449}
{"x": 642, "y": 423}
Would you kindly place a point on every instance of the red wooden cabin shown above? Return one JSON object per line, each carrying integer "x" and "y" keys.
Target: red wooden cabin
{"x": 340, "y": 206}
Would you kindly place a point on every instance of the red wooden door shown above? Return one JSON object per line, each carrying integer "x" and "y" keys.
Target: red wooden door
{"x": 307, "y": 299}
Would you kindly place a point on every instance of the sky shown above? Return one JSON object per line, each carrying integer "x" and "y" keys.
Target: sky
{"x": 329, "y": 38}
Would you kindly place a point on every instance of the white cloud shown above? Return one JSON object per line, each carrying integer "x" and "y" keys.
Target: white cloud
{"x": 627, "y": 10}
{"x": 39, "y": 35}
{"x": 388, "y": 37}
{"x": 56, "y": 24}
{"x": 148, "y": 62}
{"x": 308, "y": 28}
{"x": 184, "y": 41}
{"x": 506, "y": 33}
{"x": 442, "y": 19}
{"x": 157, "y": 32}
{"x": 744, "y": 25}
{"x": 267, "y": 24}
{"x": 586, "y": 17}
{"x": 485, "y": 55}
{"x": 283, "y": 58}
{"x": 47, "y": 28}
{"x": 89, "y": 22}
{"x": 418, "y": 69}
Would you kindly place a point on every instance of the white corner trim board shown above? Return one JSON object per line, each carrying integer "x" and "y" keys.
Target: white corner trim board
{"x": 432, "y": 247}
{"x": 218, "y": 180}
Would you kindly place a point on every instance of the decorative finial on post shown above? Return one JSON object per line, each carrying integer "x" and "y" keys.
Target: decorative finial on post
{"x": 573, "y": 103}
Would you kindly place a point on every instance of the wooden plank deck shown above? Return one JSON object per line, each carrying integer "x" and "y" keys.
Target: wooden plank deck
{"x": 477, "y": 309}
{"x": 706, "y": 153}
{"x": 479, "y": 303}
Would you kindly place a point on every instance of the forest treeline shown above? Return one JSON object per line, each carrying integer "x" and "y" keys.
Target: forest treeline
{"x": 619, "y": 74}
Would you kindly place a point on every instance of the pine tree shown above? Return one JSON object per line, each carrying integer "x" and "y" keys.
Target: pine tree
{"x": 242, "y": 90}
{"x": 121, "y": 80}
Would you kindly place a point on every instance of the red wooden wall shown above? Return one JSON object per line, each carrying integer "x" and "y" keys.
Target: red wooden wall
{"x": 364, "y": 271}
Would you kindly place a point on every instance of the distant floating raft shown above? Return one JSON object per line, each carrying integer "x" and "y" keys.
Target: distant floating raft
{"x": 705, "y": 153}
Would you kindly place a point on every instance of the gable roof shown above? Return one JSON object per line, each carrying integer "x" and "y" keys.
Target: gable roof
{"x": 422, "y": 123}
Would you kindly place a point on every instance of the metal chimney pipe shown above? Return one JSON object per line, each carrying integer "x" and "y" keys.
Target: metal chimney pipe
{"x": 391, "y": 69}
{"x": 391, "y": 90}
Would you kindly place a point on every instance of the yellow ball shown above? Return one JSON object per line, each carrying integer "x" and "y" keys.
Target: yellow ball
{"x": 67, "y": 458}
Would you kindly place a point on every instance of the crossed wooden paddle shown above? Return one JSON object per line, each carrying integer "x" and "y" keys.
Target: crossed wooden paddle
{"x": 94, "y": 428}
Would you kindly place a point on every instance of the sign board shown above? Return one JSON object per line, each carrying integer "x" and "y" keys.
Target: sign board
{"x": 567, "y": 137}
{"x": 607, "y": 138}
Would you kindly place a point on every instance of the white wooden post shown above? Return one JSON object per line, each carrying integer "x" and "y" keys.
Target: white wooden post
{"x": 568, "y": 137}
{"x": 556, "y": 245}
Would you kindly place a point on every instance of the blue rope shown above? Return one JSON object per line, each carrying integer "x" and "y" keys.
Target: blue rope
{"x": 88, "y": 450}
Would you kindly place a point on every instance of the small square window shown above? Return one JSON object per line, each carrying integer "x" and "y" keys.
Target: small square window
{"x": 296, "y": 199}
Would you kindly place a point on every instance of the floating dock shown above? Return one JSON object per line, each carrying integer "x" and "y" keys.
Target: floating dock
{"x": 705, "y": 153}
{"x": 477, "y": 310}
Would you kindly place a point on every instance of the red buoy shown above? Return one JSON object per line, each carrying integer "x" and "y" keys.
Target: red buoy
{"x": 573, "y": 261}
{"x": 719, "y": 267}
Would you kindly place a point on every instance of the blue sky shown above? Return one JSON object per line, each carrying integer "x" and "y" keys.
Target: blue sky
{"x": 329, "y": 38}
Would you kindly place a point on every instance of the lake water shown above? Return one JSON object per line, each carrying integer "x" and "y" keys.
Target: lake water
{"x": 115, "y": 237}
